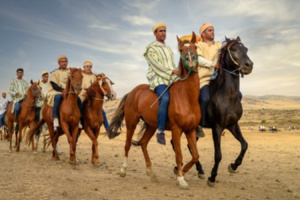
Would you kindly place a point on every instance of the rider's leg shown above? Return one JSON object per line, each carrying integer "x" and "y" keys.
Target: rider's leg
{"x": 162, "y": 112}
{"x": 57, "y": 102}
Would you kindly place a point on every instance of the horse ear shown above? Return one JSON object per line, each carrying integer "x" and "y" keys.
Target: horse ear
{"x": 193, "y": 38}
{"x": 178, "y": 40}
{"x": 238, "y": 38}
{"x": 31, "y": 82}
{"x": 38, "y": 82}
{"x": 226, "y": 39}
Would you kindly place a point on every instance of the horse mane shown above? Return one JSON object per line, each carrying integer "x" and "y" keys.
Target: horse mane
{"x": 181, "y": 64}
{"x": 65, "y": 92}
{"x": 221, "y": 60}
{"x": 92, "y": 90}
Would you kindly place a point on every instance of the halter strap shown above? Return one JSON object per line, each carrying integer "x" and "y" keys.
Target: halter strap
{"x": 229, "y": 52}
{"x": 186, "y": 65}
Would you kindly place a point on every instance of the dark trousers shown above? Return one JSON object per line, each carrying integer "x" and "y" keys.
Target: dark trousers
{"x": 163, "y": 106}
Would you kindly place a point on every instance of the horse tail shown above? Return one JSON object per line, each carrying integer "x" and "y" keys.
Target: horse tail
{"x": 33, "y": 130}
{"x": 117, "y": 119}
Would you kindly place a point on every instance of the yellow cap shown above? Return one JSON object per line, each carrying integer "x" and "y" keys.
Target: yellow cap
{"x": 203, "y": 27}
{"x": 61, "y": 57}
{"x": 156, "y": 26}
{"x": 189, "y": 37}
{"x": 45, "y": 72}
{"x": 87, "y": 62}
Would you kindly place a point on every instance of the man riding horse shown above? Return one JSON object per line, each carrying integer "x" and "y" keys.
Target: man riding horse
{"x": 17, "y": 90}
{"x": 161, "y": 63}
{"x": 57, "y": 84}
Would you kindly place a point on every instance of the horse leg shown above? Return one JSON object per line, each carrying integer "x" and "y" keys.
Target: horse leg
{"x": 75, "y": 133}
{"x": 236, "y": 131}
{"x": 95, "y": 155}
{"x": 10, "y": 126}
{"x": 53, "y": 140}
{"x": 65, "y": 127}
{"x": 198, "y": 164}
{"x": 34, "y": 150}
{"x": 44, "y": 129}
{"x": 130, "y": 131}
{"x": 149, "y": 132}
{"x": 20, "y": 136}
{"x": 191, "y": 138}
{"x": 217, "y": 131}
{"x": 16, "y": 134}
{"x": 176, "y": 135}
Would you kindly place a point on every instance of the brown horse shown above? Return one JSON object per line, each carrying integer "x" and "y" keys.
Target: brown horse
{"x": 92, "y": 107}
{"x": 183, "y": 114}
{"x": 26, "y": 116}
{"x": 69, "y": 115}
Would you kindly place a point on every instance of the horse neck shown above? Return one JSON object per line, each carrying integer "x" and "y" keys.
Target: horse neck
{"x": 95, "y": 101}
{"x": 190, "y": 85}
{"x": 70, "y": 95}
{"x": 30, "y": 97}
{"x": 231, "y": 83}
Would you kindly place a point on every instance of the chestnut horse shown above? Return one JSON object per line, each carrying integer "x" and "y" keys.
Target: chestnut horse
{"x": 26, "y": 116}
{"x": 92, "y": 107}
{"x": 183, "y": 113}
{"x": 69, "y": 116}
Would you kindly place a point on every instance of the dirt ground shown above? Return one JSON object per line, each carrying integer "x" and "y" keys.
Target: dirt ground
{"x": 270, "y": 170}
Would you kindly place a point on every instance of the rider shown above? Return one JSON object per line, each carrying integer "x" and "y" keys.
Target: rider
{"x": 17, "y": 90}
{"x": 88, "y": 79}
{"x": 161, "y": 63}
{"x": 43, "y": 84}
{"x": 208, "y": 52}
{"x": 57, "y": 84}
{"x": 3, "y": 106}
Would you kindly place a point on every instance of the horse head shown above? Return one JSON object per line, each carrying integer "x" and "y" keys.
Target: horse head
{"x": 236, "y": 56}
{"x": 188, "y": 55}
{"x": 35, "y": 90}
{"x": 75, "y": 78}
{"x": 105, "y": 85}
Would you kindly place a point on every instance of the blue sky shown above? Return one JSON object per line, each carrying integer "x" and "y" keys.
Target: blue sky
{"x": 114, "y": 35}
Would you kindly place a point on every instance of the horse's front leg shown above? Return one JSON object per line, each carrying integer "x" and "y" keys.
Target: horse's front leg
{"x": 191, "y": 138}
{"x": 33, "y": 149}
{"x": 20, "y": 137}
{"x": 199, "y": 168}
{"x": 95, "y": 155}
{"x": 176, "y": 135}
{"x": 236, "y": 131}
{"x": 65, "y": 128}
{"x": 218, "y": 154}
{"x": 75, "y": 134}
{"x": 10, "y": 126}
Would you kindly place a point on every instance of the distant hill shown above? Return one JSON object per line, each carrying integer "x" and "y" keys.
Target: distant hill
{"x": 273, "y": 98}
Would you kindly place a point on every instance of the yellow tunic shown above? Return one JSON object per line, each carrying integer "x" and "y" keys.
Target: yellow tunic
{"x": 210, "y": 52}
{"x": 60, "y": 77}
{"x": 87, "y": 81}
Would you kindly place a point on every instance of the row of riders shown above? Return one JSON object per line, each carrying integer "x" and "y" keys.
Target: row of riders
{"x": 202, "y": 92}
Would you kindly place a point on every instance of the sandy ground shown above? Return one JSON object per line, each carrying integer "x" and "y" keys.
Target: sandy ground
{"x": 270, "y": 170}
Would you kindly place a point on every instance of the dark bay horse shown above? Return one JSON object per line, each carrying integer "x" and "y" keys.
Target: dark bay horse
{"x": 92, "y": 107}
{"x": 184, "y": 112}
{"x": 69, "y": 116}
{"x": 225, "y": 108}
{"x": 26, "y": 116}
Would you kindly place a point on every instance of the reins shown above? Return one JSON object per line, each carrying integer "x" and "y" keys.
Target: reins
{"x": 234, "y": 61}
{"x": 34, "y": 95}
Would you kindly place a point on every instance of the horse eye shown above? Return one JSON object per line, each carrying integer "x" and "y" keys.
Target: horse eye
{"x": 233, "y": 49}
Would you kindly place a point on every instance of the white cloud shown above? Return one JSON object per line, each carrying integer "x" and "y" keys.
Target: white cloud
{"x": 137, "y": 20}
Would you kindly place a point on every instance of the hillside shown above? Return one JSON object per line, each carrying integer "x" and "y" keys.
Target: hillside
{"x": 268, "y": 110}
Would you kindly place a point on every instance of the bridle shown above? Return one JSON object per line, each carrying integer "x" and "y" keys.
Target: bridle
{"x": 35, "y": 93}
{"x": 234, "y": 61}
{"x": 186, "y": 65}
{"x": 76, "y": 91}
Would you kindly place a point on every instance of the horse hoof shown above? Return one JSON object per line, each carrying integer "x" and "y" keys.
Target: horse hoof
{"x": 182, "y": 183}
{"x": 122, "y": 174}
{"x": 201, "y": 176}
{"x": 210, "y": 184}
{"x": 75, "y": 167}
{"x": 34, "y": 152}
{"x": 96, "y": 165}
{"x": 230, "y": 169}
{"x": 10, "y": 151}
{"x": 153, "y": 179}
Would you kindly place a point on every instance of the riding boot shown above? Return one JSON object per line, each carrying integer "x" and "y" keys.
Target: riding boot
{"x": 200, "y": 132}
{"x": 161, "y": 138}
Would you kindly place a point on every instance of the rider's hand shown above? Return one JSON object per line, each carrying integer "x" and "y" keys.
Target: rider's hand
{"x": 217, "y": 66}
{"x": 175, "y": 71}
{"x": 17, "y": 94}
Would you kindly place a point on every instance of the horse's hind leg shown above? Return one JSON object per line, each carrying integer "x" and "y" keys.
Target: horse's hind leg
{"x": 10, "y": 126}
{"x": 130, "y": 125}
{"x": 149, "y": 132}
{"x": 218, "y": 155}
{"x": 236, "y": 131}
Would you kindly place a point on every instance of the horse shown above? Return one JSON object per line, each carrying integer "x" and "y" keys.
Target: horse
{"x": 183, "y": 113}
{"x": 92, "y": 106}
{"x": 26, "y": 116}
{"x": 69, "y": 116}
{"x": 225, "y": 108}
